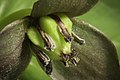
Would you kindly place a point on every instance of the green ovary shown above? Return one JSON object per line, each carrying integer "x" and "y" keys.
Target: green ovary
{"x": 35, "y": 37}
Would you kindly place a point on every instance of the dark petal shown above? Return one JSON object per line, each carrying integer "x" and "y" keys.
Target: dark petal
{"x": 70, "y": 7}
{"x": 14, "y": 50}
{"x": 98, "y": 57}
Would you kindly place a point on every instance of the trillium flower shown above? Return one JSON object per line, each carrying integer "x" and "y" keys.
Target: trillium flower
{"x": 65, "y": 47}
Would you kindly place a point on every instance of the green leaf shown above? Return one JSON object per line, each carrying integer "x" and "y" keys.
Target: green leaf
{"x": 8, "y": 7}
{"x": 14, "y": 50}
{"x": 70, "y": 7}
{"x": 98, "y": 57}
{"x": 14, "y": 16}
{"x": 34, "y": 72}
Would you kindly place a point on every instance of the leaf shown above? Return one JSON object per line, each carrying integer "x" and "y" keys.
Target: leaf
{"x": 70, "y": 7}
{"x": 98, "y": 57}
{"x": 8, "y": 7}
{"x": 34, "y": 72}
{"x": 14, "y": 16}
{"x": 14, "y": 50}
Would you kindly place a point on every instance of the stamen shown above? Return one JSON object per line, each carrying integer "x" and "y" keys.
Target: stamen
{"x": 71, "y": 58}
{"x": 44, "y": 60}
{"x": 75, "y": 60}
{"x": 49, "y": 43}
{"x": 78, "y": 39}
{"x": 62, "y": 28}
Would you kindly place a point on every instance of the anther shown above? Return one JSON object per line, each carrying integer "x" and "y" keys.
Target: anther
{"x": 49, "y": 43}
{"x": 78, "y": 39}
{"x": 62, "y": 29}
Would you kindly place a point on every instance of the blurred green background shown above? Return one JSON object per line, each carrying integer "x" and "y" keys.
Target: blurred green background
{"x": 105, "y": 16}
